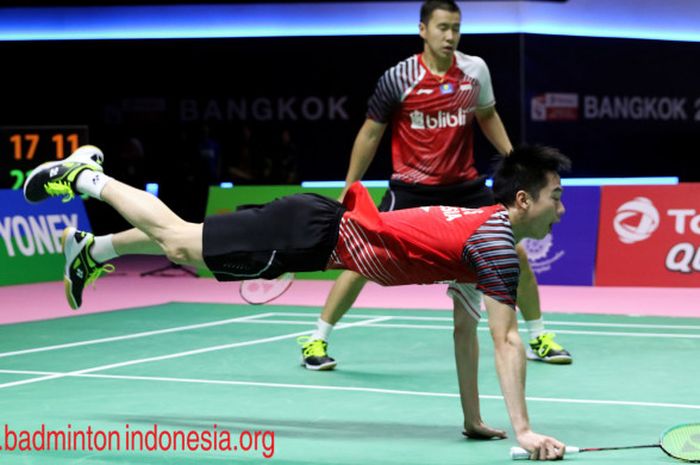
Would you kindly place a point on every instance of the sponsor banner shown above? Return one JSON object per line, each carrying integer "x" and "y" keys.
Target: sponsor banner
{"x": 567, "y": 255}
{"x": 590, "y": 98}
{"x": 649, "y": 236}
{"x": 224, "y": 200}
{"x": 30, "y": 237}
{"x": 559, "y": 106}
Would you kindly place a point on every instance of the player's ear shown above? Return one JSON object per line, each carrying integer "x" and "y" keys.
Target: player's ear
{"x": 422, "y": 29}
{"x": 522, "y": 199}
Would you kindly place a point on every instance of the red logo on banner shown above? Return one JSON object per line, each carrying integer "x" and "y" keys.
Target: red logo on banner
{"x": 554, "y": 106}
{"x": 649, "y": 236}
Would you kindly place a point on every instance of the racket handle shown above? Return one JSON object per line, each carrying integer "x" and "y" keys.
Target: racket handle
{"x": 518, "y": 453}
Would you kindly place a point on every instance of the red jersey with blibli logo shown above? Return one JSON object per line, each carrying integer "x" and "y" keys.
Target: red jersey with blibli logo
{"x": 431, "y": 118}
{"x": 427, "y": 245}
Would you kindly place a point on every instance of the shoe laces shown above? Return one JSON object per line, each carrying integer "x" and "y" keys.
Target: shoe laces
{"x": 312, "y": 348}
{"x": 97, "y": 272}
{"x": 56, "y": 188}
{"x": 545, "y": 343}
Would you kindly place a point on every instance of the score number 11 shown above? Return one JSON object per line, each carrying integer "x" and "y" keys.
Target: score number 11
{"x": 59, "y": 141}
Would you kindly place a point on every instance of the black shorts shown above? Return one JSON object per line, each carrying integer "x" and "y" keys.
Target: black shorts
{"x": 294, "y": 233}
{"x": 468, "y": 194}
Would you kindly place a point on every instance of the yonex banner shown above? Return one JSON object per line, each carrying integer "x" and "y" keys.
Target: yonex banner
{"x": 30, "y": 245}
{"x": 649, "y": 236}
{"x": 567, "y": 254}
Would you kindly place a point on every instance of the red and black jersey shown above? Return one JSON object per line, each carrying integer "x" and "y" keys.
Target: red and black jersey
{"x": 427, "y": 245}
{"x": 431, "y": 118}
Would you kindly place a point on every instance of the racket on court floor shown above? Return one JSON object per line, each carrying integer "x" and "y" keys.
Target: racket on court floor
{"x": 262, "y": 291}
{"x": 680, "y": 442}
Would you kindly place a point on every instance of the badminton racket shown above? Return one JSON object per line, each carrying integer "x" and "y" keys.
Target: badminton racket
{"x": 680, "y": 442}
{"x": 262, "y": 291}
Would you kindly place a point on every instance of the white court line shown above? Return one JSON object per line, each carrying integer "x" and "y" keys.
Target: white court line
{"x": 243, "y": 319}
{"x": 548, "y": 322}
{"x": 263, "y": 318}
{"x": 559, "y": 331}
{"x": 347, "y": 389}
{"x": 373, "y": 325}
{"x": 620, "y": 325}
{"x": 610, "y": 333}
{"x": 134, "y": 335}
{"x": 522, "y": 330}
{"x": 177, "y": 355}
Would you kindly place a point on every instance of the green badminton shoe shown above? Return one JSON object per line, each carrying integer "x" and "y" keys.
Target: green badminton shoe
{"x": 81, "y": 269}
{"x": 314, "y": 355}
{"x": 57, "y": 178}
{"x": 544, "y": 349}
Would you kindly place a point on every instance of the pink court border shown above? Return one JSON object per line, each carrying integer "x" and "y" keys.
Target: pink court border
{"x": 125, "y": 288}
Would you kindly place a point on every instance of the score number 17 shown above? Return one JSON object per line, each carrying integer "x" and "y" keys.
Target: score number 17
{"x": 59, "y": 141}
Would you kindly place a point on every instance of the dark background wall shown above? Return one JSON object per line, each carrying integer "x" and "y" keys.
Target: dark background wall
{"x": 287, "y": 109}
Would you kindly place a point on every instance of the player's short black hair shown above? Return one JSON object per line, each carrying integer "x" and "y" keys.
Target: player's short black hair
{"x": 426, "y": 10}
{"x": 526, "y": 168}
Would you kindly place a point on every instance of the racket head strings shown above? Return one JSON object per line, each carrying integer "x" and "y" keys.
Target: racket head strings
{"x": 682, "y": 442}
{"x": 262, "y": 291}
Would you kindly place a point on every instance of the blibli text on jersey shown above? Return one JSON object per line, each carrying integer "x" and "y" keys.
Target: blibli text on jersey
{"x": 443, "y": 119}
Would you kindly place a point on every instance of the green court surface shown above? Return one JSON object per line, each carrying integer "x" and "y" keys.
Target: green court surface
{"x": 392, "y": 400}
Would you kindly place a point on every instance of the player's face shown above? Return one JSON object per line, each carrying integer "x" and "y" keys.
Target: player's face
{"x": 441, "y": 34}
{"x": 547, "y": 209}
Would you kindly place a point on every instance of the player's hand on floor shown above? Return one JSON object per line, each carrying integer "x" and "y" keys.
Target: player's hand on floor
{"x": 541, "y": 447}
{"x": 480, "y": 430}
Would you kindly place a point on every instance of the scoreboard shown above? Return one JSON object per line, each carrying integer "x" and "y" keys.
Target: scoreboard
{"x": 22, "y": 148}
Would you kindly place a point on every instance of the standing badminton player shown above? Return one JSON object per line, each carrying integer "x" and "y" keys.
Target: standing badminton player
{"x": 307, "y": 232}
{"x": 431, "y": 100}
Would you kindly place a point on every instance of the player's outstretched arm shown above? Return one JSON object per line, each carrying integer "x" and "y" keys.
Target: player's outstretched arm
{"x": 510, "y": 364}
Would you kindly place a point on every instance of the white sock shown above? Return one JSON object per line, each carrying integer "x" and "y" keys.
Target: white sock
{"x": 323, "y": 330}
{"x": 103, "y": 250}
{"x": 535, "y": 327}
{"x": 91, "y": 183}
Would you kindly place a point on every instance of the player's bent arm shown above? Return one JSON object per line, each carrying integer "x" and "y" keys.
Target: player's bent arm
{"x": 363, "y": 151}
{"x": 492, "y": 127}
{"x": 510, "y": 365}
